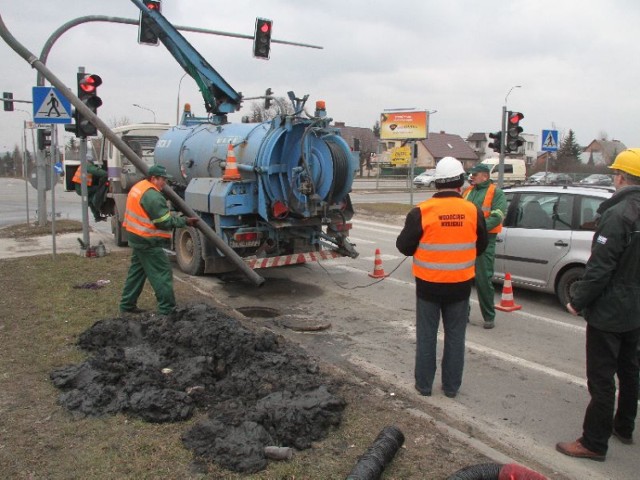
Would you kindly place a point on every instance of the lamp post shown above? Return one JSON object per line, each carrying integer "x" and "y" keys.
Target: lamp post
{"x": 503, "y": 137}
{"x": 25, "y": 164}
{"x": 148, "y": 109}
{"x": 178, "y": 101}
{"x": 414, "y": 156}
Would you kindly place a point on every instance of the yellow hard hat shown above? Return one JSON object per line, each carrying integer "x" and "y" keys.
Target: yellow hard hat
{"x": 628, "y": 161}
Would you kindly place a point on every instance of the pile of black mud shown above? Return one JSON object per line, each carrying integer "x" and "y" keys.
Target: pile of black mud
{"x": 258, "y": 389}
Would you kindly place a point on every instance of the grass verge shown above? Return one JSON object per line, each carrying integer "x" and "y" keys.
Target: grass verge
{"x": 42, "y": 316}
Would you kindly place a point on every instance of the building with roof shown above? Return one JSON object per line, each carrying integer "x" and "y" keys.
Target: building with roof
{"x": 430, "y": 150}
{"x": 604, "y": 151}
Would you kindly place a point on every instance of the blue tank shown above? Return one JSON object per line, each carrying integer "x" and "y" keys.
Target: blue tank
{"x": 296, "y": 165}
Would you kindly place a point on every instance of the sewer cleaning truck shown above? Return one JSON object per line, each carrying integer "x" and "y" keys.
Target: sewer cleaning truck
{"x": 275, "y": 192}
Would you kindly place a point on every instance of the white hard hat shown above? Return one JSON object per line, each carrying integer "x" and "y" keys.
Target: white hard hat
{"x": 448, "y": 169}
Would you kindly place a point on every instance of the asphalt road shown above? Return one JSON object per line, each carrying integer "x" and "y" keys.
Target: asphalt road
{"x": 524, "y": 386}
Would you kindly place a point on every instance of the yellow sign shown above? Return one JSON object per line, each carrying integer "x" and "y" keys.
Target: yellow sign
{"x": 401, "y": 155}
{"x": 403, "y": 125}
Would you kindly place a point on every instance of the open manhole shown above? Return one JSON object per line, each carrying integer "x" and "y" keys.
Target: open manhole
{"x": 258, "y": 312}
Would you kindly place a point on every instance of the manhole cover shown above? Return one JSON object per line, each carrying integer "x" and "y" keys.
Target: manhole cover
{"x": 258, "y": 312}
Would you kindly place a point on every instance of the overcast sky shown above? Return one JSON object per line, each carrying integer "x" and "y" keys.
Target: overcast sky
{"x": 576, "y": 60}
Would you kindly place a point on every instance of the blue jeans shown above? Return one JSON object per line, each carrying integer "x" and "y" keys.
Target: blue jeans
{"x": 454, "y": 321}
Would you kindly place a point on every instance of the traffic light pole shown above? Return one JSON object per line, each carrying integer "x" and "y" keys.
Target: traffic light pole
{"x": 41, "y": 179}
{"x": 84, "y": 192}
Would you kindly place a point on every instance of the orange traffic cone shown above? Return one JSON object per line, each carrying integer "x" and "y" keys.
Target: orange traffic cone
{"x": 378, "y": 271}
{"x": 506, "y": 302}
{"x": 231, "y": 169}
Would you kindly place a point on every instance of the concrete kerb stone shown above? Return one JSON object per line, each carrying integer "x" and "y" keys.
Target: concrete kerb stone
{"x": 43, "y": 245}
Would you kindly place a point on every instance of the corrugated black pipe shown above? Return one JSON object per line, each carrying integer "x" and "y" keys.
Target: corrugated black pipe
{"x": 378, "y": 455}
{"x": 482, "y": 471}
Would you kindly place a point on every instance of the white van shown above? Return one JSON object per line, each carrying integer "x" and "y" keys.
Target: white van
{"x": 515, "y": 170}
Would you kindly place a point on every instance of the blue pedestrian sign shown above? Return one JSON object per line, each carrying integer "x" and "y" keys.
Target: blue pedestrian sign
{"x": 549, "y": 140}
{"x": 50, "y": 106}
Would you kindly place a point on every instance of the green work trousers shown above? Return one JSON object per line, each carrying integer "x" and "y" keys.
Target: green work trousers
{"x": 151, "y": 263}
{"x": 484, "y": 286}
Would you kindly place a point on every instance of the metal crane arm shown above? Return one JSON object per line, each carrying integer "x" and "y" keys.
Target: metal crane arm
{"x": 219, "y": 97}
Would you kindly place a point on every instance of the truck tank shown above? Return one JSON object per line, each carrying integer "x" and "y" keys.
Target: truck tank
{"x": 297, "y": 166}
{"x": 292, "y": 197}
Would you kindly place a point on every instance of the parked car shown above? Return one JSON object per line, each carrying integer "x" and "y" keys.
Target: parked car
{"x": 426, "y": 179}
{"x": 546, "y": 237}
{"x": 559, "y": 179}
{"x": 550, "y": 178}
{"x": 537, "y": 178}
{"x": 597, "y": 179}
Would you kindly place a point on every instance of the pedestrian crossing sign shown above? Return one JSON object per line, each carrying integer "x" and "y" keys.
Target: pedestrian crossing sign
{"x": 50, "y": 106}
{"x": 549, "y": 140}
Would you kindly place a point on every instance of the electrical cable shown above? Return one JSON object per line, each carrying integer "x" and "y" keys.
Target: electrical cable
{"x": 360, "y": 286}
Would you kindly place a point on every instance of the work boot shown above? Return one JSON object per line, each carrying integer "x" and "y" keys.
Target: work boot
{"x": 133, "y": 311}
{"x": 576, "y": 449}
{"x": 489, "y": 325}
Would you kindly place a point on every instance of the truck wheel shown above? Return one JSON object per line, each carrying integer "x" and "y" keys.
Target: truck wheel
{"x": 119, "y": 233}
{"x": 188, "y": 245}
{"x": 566, "y": 280}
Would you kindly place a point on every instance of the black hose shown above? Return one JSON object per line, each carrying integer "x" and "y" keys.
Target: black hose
{"x": 378, "y": 455}
{"x": 482, "y": 471}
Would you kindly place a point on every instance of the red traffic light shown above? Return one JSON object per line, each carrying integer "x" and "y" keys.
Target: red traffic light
{"x": 515, "y": 117}
{"x": 89, "y": 83}
{"x": 265, "y": 27}
{"x": 152, "y": 5}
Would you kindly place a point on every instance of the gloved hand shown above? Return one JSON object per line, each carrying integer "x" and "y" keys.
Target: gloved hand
{"x": 192, "y": 221}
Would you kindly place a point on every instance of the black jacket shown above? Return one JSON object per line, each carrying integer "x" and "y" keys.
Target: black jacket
{"x": 609, "y": 293}
{"x": 407, "y": 243}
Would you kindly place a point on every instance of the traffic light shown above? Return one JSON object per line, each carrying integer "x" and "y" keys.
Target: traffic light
{"x": 497, "y": 141}
{"x": 146, "y": 29}
{"x": 262, "y": 38}
{"x": 88, "y": 93}
{"x": 44, "y": 138}
{"x": 8, "y": 105}
{"x": 514, "y": 141}
{"x": 267, "y": 98}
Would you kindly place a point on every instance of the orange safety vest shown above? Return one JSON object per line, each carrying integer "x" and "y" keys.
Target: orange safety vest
{"x": 447, "y": 249}
{"x": 486, "y": 204}
{"x": 136, "y": 219}
{"x": 77, "y": 177}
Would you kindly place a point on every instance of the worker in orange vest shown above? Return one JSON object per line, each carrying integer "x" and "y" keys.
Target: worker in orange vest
{"x": 149, "y": 223}
{"x": 491, "y": 200}
{"x": 96, "y": 181}
{"x": 444, "y": 234}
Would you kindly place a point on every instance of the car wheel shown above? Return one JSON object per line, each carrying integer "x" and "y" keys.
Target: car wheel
{"x": 432, "y": 184}
{"x": 567, "y": 279}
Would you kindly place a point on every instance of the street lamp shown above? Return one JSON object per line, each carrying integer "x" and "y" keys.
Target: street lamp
{"x": 507, "y": 96}
{"x": 148, "y": 109}
{"x": 25, "y": 163}
{"x": 178, "y": 101}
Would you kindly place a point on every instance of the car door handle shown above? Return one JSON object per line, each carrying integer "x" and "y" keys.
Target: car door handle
{"x": 561, "y": 243}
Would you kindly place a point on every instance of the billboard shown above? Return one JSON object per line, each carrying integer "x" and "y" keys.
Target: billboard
{"x": 411, "y": 125}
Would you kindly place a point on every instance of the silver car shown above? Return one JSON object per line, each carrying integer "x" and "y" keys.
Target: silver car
{"x": 546, "y": 237}
{"x": 426, "y": 179}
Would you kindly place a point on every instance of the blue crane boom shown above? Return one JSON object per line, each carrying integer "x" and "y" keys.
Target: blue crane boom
{"x": 219, "y": 97}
